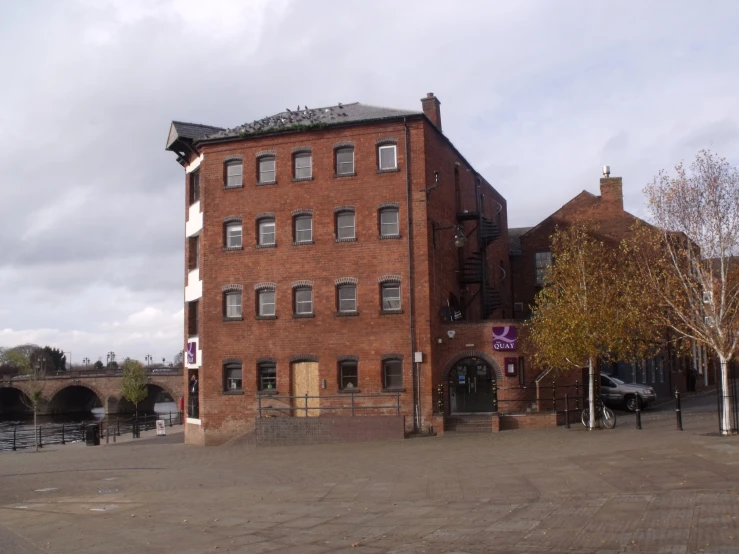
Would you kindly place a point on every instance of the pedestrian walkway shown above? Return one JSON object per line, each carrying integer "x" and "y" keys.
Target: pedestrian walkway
{"x": 657, "y": 490}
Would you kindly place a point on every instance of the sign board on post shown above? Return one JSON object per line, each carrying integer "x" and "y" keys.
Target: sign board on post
{"x": 504, "y": 338}
{"x": 161, "y": 429}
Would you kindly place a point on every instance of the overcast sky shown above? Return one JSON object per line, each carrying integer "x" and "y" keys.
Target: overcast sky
{"x": 537, "y": 96}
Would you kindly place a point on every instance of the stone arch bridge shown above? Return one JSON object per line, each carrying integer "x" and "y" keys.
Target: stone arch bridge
{"x": 81, "y": 391}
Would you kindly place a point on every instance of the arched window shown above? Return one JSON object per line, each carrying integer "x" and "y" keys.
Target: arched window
{"x": 232, "y": 376}
{"x": 345, "y": 160}
{"x": 392, "y": 373}
{"x": 234, "y": 174}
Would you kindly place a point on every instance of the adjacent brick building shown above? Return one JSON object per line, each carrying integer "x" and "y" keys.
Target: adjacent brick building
{"x": 530, "y": 254}
{"x": 336, "y": 254}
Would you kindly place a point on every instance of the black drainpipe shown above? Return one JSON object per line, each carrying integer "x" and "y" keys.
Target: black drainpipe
{"x": 414, "y": 367}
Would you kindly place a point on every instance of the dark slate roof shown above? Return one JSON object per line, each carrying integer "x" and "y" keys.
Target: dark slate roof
{"x": 514, "y": 238}
{"x": 304, "y": 119}
{"x": 194, "y": 130}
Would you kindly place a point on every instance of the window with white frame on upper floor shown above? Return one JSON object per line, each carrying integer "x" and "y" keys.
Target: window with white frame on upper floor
{"x": 267, "y": 231}
{"x": 233, "y": 234}
{"x": 303, "y": 300}
{"x": 347, "y": 298}
{"x": 345, "y": 160}
{"x": 234, "y": 173}
{"x": 267, "y": 169}
{"x": 387, "y": 156}
{"x": 303, "y": 228}
{"x": 345, "y": 225}
{"x": 543, "y": 267}
{"x": 389, "y": 222}
{"x": 266, "y": 302}
{"x": 303, "y": 165}
{"x": 390, "y": 297}
{"x": 232, "y": 304}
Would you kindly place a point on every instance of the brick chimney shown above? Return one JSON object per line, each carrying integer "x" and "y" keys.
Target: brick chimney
{"x": 611, "y": 191}
{"x": 431, "y": 109}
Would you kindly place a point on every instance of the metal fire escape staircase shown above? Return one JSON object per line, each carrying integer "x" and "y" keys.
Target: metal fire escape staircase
{"x": 475, "y": 266}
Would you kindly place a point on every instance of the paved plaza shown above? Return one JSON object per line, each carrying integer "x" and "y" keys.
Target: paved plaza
{"x": 655, "y": 490}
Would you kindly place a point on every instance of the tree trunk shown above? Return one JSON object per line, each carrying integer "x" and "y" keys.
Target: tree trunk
{"x": 591, "y": 394}
{"x": 726, "y": 400}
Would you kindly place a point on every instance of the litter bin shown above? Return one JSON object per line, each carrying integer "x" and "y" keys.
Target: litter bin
{"x": 92, "y": 435}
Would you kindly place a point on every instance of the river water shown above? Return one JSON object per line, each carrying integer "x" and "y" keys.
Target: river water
{"x": 21, "y": 425}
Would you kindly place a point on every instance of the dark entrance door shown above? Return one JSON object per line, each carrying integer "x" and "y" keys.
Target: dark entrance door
{"x": 471, "y": 387}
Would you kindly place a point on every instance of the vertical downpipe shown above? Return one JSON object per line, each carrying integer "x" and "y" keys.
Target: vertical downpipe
{"x": 412, "y": 330}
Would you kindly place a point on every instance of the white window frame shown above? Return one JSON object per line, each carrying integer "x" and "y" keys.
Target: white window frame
{"x": 386, "y": 287}
{"x": 263, "y": 172}
{"x": 385, "y": 383}
{"x": 384, "y": 212}
{"x": 263, "y": 225}
{"x": 344, "y": 149}
{"x": 394, "y": 149}
{"x": 233, "y": 306}
{"x": 231, "y": 235}
{"x": 347, "y": 305}
{"x": 233, "y": 178}
{"x": 296, "y": 167}
{"x": 300, "y": 304}
{"x": 309, "y": 219}
{"x": 266, "y": 309}
{"x": 339, "y": 227}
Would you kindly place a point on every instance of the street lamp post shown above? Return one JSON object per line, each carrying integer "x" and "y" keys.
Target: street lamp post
{"x": 111, "y": 357}
{"x": 148, "y": 359}
{"x": 86, "y": 361}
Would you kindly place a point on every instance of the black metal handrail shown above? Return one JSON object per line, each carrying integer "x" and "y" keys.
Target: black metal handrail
{"x": 306, "y": 408}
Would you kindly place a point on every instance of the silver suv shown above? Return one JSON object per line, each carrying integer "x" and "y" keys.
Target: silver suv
{"x": 615, "y": 392}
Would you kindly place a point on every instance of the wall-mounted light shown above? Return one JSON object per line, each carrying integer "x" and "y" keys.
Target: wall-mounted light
{"x": 459, "y": 237}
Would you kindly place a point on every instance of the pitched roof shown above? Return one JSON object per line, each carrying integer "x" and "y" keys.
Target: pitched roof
{"x": 514, "y": 238}
{"x": 305, "y": 118}
{"x": 180, "y": 130}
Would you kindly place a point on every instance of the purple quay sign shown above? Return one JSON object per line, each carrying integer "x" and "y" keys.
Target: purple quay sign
{"x": 504, "y": 338}
{"x": 191, "y": 352}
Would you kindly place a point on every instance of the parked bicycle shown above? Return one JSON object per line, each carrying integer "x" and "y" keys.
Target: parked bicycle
{"x": 602, "y": 413}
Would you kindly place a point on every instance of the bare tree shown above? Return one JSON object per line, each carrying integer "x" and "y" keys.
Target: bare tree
{"x": 689, "y": 263}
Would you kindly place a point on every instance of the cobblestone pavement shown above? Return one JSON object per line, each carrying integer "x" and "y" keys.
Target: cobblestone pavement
{"x": 656, "y": 490}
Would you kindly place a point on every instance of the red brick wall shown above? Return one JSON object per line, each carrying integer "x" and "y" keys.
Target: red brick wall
{"x": 284, "y": 431}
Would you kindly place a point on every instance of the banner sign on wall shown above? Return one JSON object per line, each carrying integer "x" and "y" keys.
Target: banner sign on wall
{"x": 191, "y": 355}
{"x": 504, "y": 338}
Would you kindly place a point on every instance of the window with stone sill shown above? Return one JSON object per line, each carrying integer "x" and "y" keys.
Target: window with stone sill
{"x": 266, "y": 303}
{"x": 390, "y": 297}
{"x": 267, "y": 170}
{"x": 303, "y": 228}
{"x": 232, "y": 377}
{"x": 233, "y": 234}
{"x": 234, "y": 174}
{"x": 303, "y": 165}
{"x": 232, "y": 304}
{"x": 347, "y": 298}
{"x": 389, "y": 222}
{"x": 267, "y": 232}
{"x": 348, "y": 375}
{"x": 387, "y": 156}
{"x": 345, "y": 161}
{"x": 303, "y": 300}
{"x": 345, "y": 226}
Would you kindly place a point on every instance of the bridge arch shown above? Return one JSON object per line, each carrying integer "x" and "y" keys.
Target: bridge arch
{"x": 14, "y": 401}
{"x": 156, "y": 391}
{"x": 75, "y": 398}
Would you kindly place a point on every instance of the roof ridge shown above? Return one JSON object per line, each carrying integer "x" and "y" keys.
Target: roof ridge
{"x": 197, "y": 124}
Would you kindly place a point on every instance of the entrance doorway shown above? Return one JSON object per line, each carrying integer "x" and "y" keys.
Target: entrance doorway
{"x": 471, "y": 387}
{"x": 304, "y": 381}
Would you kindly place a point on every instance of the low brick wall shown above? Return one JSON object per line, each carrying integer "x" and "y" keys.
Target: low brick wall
{"x": 279, "y": 431}
{"x": 530, "y": 420}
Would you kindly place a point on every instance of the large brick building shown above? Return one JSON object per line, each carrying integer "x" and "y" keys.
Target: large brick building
{"x": 339, "y": 252}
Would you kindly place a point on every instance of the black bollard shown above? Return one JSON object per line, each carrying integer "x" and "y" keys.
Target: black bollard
{"x": 63, "y": 441}
{"x": 118, "y": 425}
{"x": 678, "y": 411}
{"x": 638, "y": 411}
{"x": 14, "y": 428}
{"x": 567, "y": 412}
{"x": 40, "y": 440}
